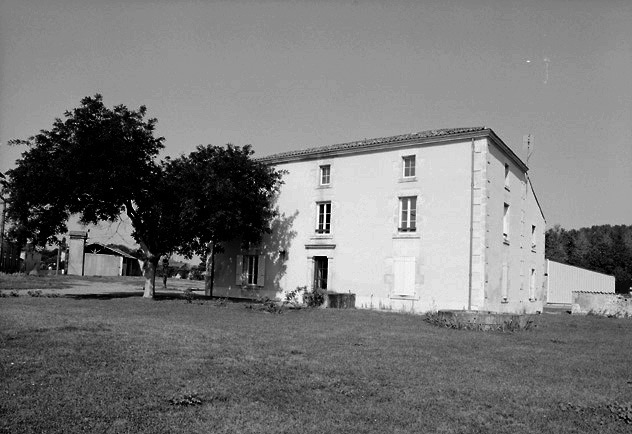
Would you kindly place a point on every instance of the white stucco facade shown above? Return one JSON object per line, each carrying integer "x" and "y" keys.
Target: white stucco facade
{"x": 433, "y": 240}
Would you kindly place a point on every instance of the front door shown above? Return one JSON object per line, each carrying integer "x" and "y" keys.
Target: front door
{"x": 320, "y": 272}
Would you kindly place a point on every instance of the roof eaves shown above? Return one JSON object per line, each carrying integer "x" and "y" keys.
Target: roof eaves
{"x": 365, "y": 145}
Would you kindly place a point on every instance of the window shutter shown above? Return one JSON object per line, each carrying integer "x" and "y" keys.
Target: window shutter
{"x": 505, "y": 282}
{"x": 404, "y": 275}
{"x": 239, "y": 268}
{"x": 261, "y": 272}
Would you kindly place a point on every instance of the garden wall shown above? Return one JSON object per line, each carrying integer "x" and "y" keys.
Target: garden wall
{"x": 601, "y": 303}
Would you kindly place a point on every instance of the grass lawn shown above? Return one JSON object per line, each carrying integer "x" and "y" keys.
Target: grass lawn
{"x": 131, "y": 365}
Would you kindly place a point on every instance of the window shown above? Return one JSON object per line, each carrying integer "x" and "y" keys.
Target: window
{"x": 532, "y": 285}
{"x": 507, "y": 176}
{"x": 321, "y": 267}
{"x": 324, "y": 218}
{"x": 506, "y": 222}
{"x": 250, "y": 270}
{"x": 408, "y": 214}
{"x": 325, "y": 174}
{"x": 533, "y": 237}
{"x": 409, "y": 166}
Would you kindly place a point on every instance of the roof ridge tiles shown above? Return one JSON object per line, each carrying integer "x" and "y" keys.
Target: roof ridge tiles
{"x": 374, "y": 141}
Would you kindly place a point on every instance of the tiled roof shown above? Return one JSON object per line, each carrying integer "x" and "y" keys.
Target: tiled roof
{"x": 366, "y": 143}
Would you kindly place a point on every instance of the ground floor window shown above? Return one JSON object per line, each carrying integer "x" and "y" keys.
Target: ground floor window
{"x": 321, "y": 268}
{"x": 532, "y": 285}
{"x": 250, "y": 270}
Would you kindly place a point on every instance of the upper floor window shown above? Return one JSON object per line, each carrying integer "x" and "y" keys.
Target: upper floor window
{"x": 325, "y": 174}
{"x": 408, "y": 214}
{"x": 324, "y": 218}
{"x": 533, "y": 237}
{"x": 409, "y": 166}
{"x": 507, "y": 176}
{"x": 506, "y": 222}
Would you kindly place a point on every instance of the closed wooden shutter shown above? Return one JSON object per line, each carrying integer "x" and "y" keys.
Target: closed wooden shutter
{"x": 261, "y": 272}
{"x": 239, "y": 264}
{"x": 505, "y": 282}
{"x": 404, "y": 275}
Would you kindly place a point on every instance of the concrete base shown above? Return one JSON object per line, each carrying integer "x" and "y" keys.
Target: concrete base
{"x": 340, "y": 300}
{"x": 476, "y": 320}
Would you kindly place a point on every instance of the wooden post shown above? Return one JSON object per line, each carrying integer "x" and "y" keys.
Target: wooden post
{"x": 210, "y": 270}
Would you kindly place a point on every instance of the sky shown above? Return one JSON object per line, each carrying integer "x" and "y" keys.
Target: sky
{"x": 286, "y": 75}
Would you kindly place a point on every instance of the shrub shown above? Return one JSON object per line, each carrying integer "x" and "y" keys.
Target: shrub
{"x": 314, "y": 298}
{"x": 188, "y": 295}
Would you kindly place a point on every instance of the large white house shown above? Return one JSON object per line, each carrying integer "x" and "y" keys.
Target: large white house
{"x": 442, "y": 219}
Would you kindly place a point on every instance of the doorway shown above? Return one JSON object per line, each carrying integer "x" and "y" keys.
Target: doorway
{"x": 321, "y": 266}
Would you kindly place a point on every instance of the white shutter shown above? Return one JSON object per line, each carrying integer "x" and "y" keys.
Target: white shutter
{"x": 404, "y": 275}
{"x": 505, "y": 282}
{"x": 261, "y": 272}
{"x": 239, "y": 264}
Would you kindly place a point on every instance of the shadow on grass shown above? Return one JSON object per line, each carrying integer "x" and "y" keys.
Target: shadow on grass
{"x": 139, "y": 294}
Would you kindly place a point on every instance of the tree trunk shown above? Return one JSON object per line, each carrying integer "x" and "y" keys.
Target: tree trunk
{"x": 149, "y": 272}
{"x": 210, "y": 270}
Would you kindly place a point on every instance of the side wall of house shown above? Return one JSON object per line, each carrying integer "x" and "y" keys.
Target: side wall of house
{"x": 364, "y": 248}
{"x": 514, "y": 263}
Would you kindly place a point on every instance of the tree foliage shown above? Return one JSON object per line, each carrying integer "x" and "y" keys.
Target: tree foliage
{"x": 100, "y": 162}
{"x": 225, "y": 195}
{"x": 605, "y": 249}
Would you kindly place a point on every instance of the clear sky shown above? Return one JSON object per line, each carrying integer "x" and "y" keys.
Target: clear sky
{"x": 284, "y": 75}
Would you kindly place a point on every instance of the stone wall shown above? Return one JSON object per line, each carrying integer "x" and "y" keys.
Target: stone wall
{"x": 619, "y": 305}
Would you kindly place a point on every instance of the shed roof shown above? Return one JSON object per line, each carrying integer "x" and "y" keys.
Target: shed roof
{"x": 111, "y": 249}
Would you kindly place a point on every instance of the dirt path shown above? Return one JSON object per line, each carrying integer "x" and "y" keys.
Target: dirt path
{"x": 93, "y": 285}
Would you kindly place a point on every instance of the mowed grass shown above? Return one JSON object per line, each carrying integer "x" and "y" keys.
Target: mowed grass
{"x": 125, "y": 364}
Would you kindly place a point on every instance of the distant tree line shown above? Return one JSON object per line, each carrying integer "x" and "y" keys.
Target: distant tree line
{"x": 606, "y": 249}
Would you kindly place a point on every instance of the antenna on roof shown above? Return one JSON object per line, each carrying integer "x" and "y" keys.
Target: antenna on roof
{"x": 528, "y": 142}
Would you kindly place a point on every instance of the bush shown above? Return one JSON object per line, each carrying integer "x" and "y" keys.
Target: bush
{"x": 314, "y": 298}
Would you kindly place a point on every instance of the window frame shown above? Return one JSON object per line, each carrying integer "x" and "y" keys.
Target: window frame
{"x": 407, "y": 216}
{"x": 250, "y": 270}
{"x": 412, "y": 167}
{"x": 321, "y": 175}
{"x": 321, "y": 273}
{"x": 250, "y": 267}
{"x": 323, "y": 217}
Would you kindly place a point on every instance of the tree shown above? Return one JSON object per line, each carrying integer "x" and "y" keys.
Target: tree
{"x": 98, "y": 163}
{"x": 554, "y": 244}
{"x": 226, "y": 195}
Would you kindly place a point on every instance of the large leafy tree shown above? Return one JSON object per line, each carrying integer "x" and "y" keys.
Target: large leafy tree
{"x": 99, "y": 163}
{"x": 225, "y": 195}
